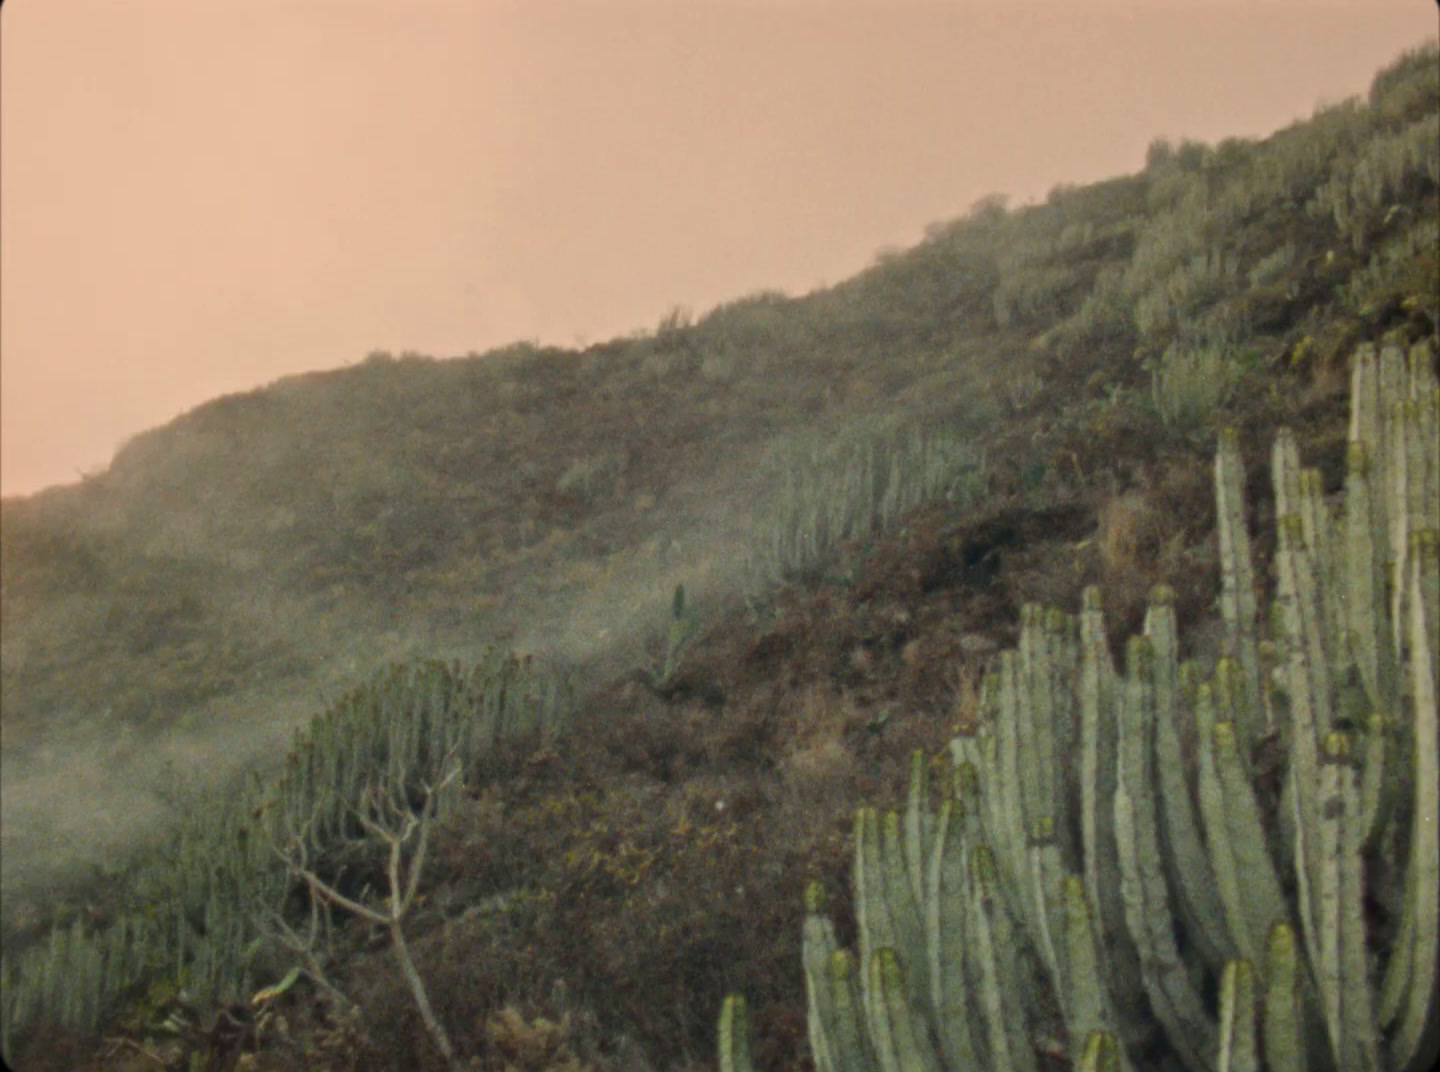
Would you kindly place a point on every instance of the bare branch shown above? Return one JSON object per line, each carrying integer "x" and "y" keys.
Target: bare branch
{"x": 400, "y": 827}
{"x": 304, "y": 948}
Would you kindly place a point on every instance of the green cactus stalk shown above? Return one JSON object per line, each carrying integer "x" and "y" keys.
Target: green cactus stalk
{"x": 1371, "y": 646}
{"x": 1285, "y": 473}
{"x": 1097, "y": 758}
{"x": 818, "y": 945}
{"x": 947, "y": 892}
{"x": 1102, "y": 1053}
{"x": 734, "y": 1036}
{"x": 1408, "y": 999}
{"x": 902, "y": 1042}
{"x": 1143, "y": 890}
{"x": 872, "y": 907}
{"x": 1284, "y": 1016}
{"x": 919, "y": 831}
{"x": 1318, "y": 530}
{"x": 1000, "y": 992}
{"x": 1249, "y": 885}
{"x": 1188, "y": 868}
{"x": 1011, "y": 788}
{"x": 1086, "y": 997}
{"x": 1237, "y": 1019}
{"x": 1405, "y": 460}
{"x": 1033, "y": 709}
{"x": 1238, "y": 605}
{"x": 1327, "y": 871}
{"x": 905, "y": 909}
{"x": 1365, "y": 395}
{"x": 1032, "y": 860}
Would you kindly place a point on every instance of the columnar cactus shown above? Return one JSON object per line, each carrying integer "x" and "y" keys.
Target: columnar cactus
{"x": 189, "y": 916}
{"x": 999, "y": 924}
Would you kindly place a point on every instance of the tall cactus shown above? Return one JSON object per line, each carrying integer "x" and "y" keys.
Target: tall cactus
{"x": 1238, "y": 604}
{"x": 1028, "y": 926}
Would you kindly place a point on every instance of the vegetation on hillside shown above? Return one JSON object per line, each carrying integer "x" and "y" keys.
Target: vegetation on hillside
{"x": 591, "y": 895}
{"x": 1114, "y": 849}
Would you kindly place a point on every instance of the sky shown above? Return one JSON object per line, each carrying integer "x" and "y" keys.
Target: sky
{"x": 198, "y": 197}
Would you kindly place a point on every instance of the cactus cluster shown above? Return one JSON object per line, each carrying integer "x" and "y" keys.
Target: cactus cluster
{"x": 1116, "y": 876}
{"x": 191, "y": 912}
{"x": 847, "y": 489}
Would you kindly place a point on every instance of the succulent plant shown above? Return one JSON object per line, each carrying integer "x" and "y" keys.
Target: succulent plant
{"x": 1190, "y": 915}
{"x": 188, "y": 914}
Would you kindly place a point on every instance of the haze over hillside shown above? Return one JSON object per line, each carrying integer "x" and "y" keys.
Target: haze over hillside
{"x": 856, "y": 488}
{"x": 233, "y": 569}
{"x": 229, "y": 197}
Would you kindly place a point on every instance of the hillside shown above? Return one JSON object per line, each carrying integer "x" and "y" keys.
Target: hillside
{"x": 1023, "y": 404}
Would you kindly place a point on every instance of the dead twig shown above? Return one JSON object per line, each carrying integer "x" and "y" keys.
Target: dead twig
{"x": 399, "y": 827}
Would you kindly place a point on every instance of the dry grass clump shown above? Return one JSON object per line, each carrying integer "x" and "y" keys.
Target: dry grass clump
{"x": 967, "y": 681}
{"x": 1129, "y": 530}
{"x": 819, "y": 759}
{"x": 1151, "y": 534}
{"x": 817, "y": 752}
{"x": 539, "y": 1045}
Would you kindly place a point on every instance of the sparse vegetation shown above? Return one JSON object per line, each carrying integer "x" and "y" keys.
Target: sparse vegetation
{"x": 1190, "y": 385}
{"x": 617, "y": 861}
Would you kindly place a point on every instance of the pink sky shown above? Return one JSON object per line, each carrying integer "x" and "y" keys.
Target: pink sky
{"x": 198, "y": 196}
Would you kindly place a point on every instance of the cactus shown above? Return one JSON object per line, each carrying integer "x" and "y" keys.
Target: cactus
{"x": 680, "y": 633}
{"x": 189, "y": 913}
{"x": 1024, "y": 918}
{"x": 1237, "y": 1018}
{"x": 1237, "y": 587}
{"x": 1284, "y": 1034}
{"x": 1176, "y": 1002}
{"x": 1249, "y": 885}
{"x": 1188, "y": 868}
{"x": 734, "y": 1040}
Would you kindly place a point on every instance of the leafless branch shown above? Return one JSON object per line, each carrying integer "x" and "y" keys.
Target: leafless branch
{"x": 399, "y": 826}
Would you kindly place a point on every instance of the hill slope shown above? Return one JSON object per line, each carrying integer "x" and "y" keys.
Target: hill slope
{"x": 229, "y": 570}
